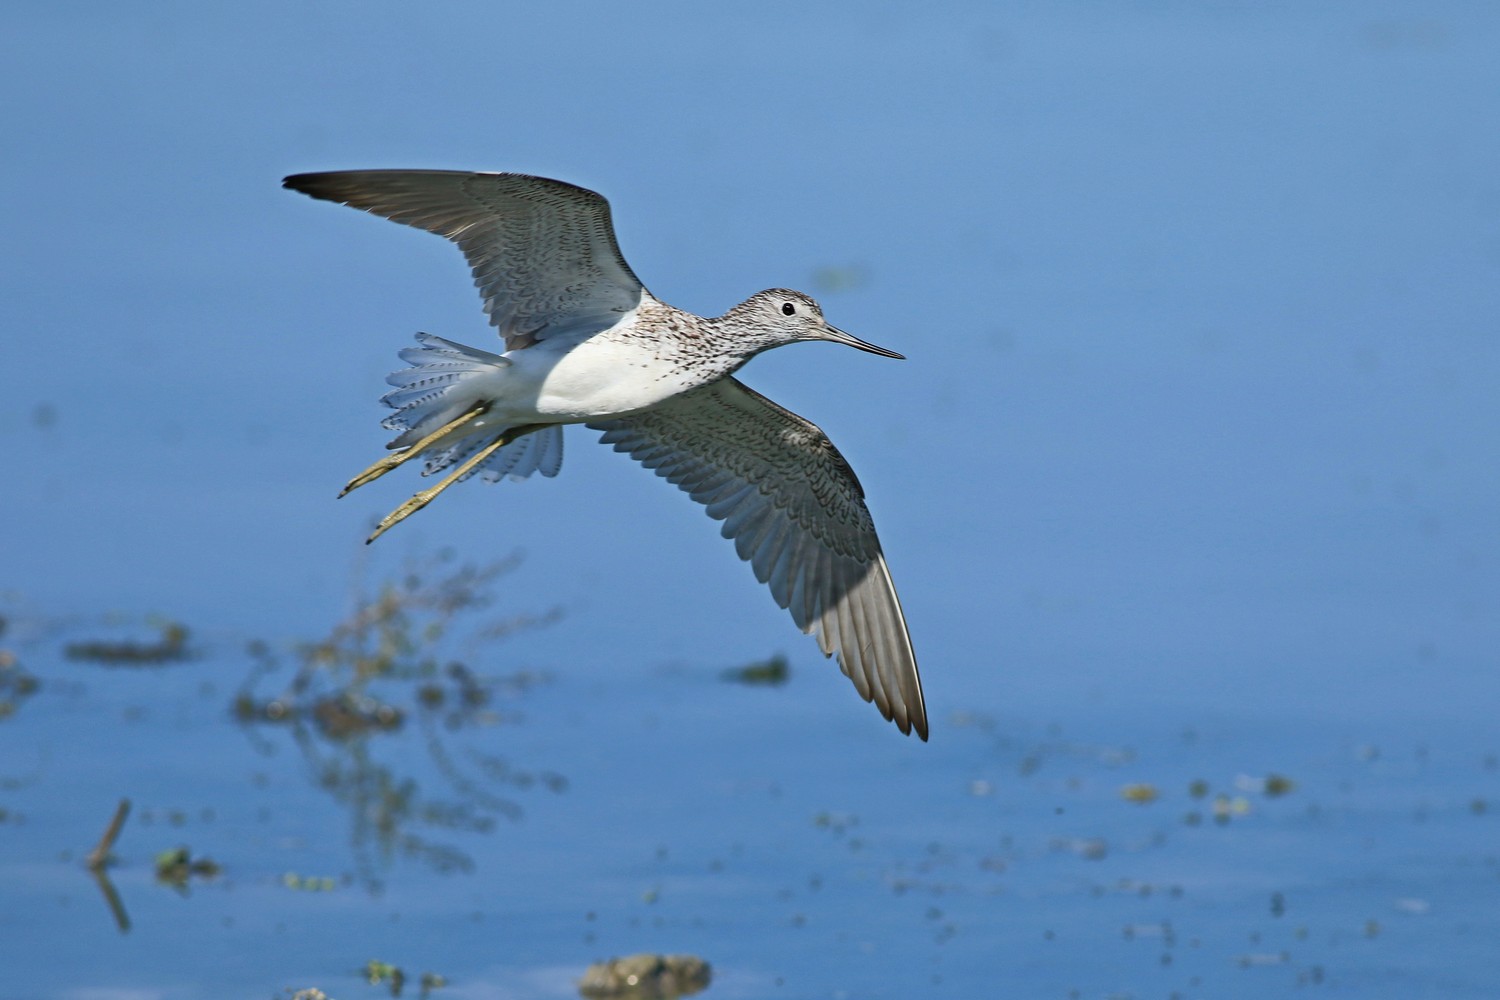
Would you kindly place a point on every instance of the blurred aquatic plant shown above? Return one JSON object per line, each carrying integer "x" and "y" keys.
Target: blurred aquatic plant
{"x": 646, "y": 977}
{"x": 16, "y": 685}
{"x": 769, "y": 673}
{"x": 167, "y": 645}
{"x": 352, "y": 693}
{"x": 178, "y": 866}
{"x": 376, "y": 972}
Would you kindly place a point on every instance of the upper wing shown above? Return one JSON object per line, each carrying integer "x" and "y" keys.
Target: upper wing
{"x": 797, "y": 514}
{"x": 543, "y": 252}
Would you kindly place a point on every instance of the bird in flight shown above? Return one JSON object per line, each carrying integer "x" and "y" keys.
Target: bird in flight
{"x": 586, "y": 343}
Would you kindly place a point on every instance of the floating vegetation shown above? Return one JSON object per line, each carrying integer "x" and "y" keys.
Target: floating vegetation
{"x": 309, "y": 883}
{"x": 169, "y": 645}
{"x": 1140, "y": 793}
{"x": 1271, "y": 785}
{"x": 377, "y": 972}
{"x": 646, "y": 977}
{"x": 1224, "y": 808}
{"x": 16, "y": 685}
{"x": 389, "y": 667}
{"x": 177, "y": 867}
{"x": 1275, "y": 785}
{"x": 770, "y": 673}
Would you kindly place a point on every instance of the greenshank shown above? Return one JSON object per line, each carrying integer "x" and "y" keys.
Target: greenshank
{"x": 586, "y": 343}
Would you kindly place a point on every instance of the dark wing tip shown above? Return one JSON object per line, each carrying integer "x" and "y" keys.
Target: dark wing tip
{"x": 297, "y": 182}
{"x": 321, "y": 185}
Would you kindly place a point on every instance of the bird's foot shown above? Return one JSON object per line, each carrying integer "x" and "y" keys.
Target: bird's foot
{"x": 396, "y": 458}
{"x": 425, "y": 497}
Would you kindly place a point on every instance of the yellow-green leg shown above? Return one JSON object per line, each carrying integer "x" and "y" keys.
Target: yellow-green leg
{"x": 396, "y": 458}
{"x": 425, "y": 497}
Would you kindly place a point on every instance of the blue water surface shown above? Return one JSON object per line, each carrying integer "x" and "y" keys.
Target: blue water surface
{"x": 1189, "y": 482}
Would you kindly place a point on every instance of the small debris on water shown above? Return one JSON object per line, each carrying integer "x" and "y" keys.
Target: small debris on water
{"x": 346, "y": 715}
{"x": 1225, "y": 808}
{"x": 169, "y": 646}
{"x": 16, "y": 685}
{"x": 646, "y": 977}
{"x": 377, "y": 972}
{"x": 768, "y": 673}
{"x": 393, "y": 976}
{"x": 1271, "y": 786}
{"x": 177, "y": 866}
{"x": 1278, "y": 784}
{"x": 309, "y": 883}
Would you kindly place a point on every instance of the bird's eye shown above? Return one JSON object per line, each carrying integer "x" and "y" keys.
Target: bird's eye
{"x": 787, "y": 309}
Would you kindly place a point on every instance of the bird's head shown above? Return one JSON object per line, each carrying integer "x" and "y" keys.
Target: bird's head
{"x": 779, "y": 316}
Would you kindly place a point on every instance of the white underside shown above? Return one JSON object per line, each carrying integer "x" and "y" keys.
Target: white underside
{"x": 559, "y": 380}
{"x": 598, "y": 378}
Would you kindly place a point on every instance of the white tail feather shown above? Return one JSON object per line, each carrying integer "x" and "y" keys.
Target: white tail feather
{"x": 444, "y": 381}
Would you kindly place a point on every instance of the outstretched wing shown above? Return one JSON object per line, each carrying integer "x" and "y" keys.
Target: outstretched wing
{"x": 543, "y": 252}
{"x": 797, "y": 514}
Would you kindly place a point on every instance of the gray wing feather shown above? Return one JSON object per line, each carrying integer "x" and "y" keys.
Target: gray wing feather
{"x": 543, "y": 252}
{"x": 797, "y": 514}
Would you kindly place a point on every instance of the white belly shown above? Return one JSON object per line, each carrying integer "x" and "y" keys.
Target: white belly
{"x": 597, "y": 378}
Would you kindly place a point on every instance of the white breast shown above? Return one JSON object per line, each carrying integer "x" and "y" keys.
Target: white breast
{"x": 599, "y": 377}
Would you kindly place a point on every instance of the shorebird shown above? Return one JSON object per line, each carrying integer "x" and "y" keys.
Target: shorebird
{"x": 586, "y": 343}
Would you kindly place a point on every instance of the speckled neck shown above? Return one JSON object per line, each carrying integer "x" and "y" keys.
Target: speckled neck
{"x": 708, "y": 348}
